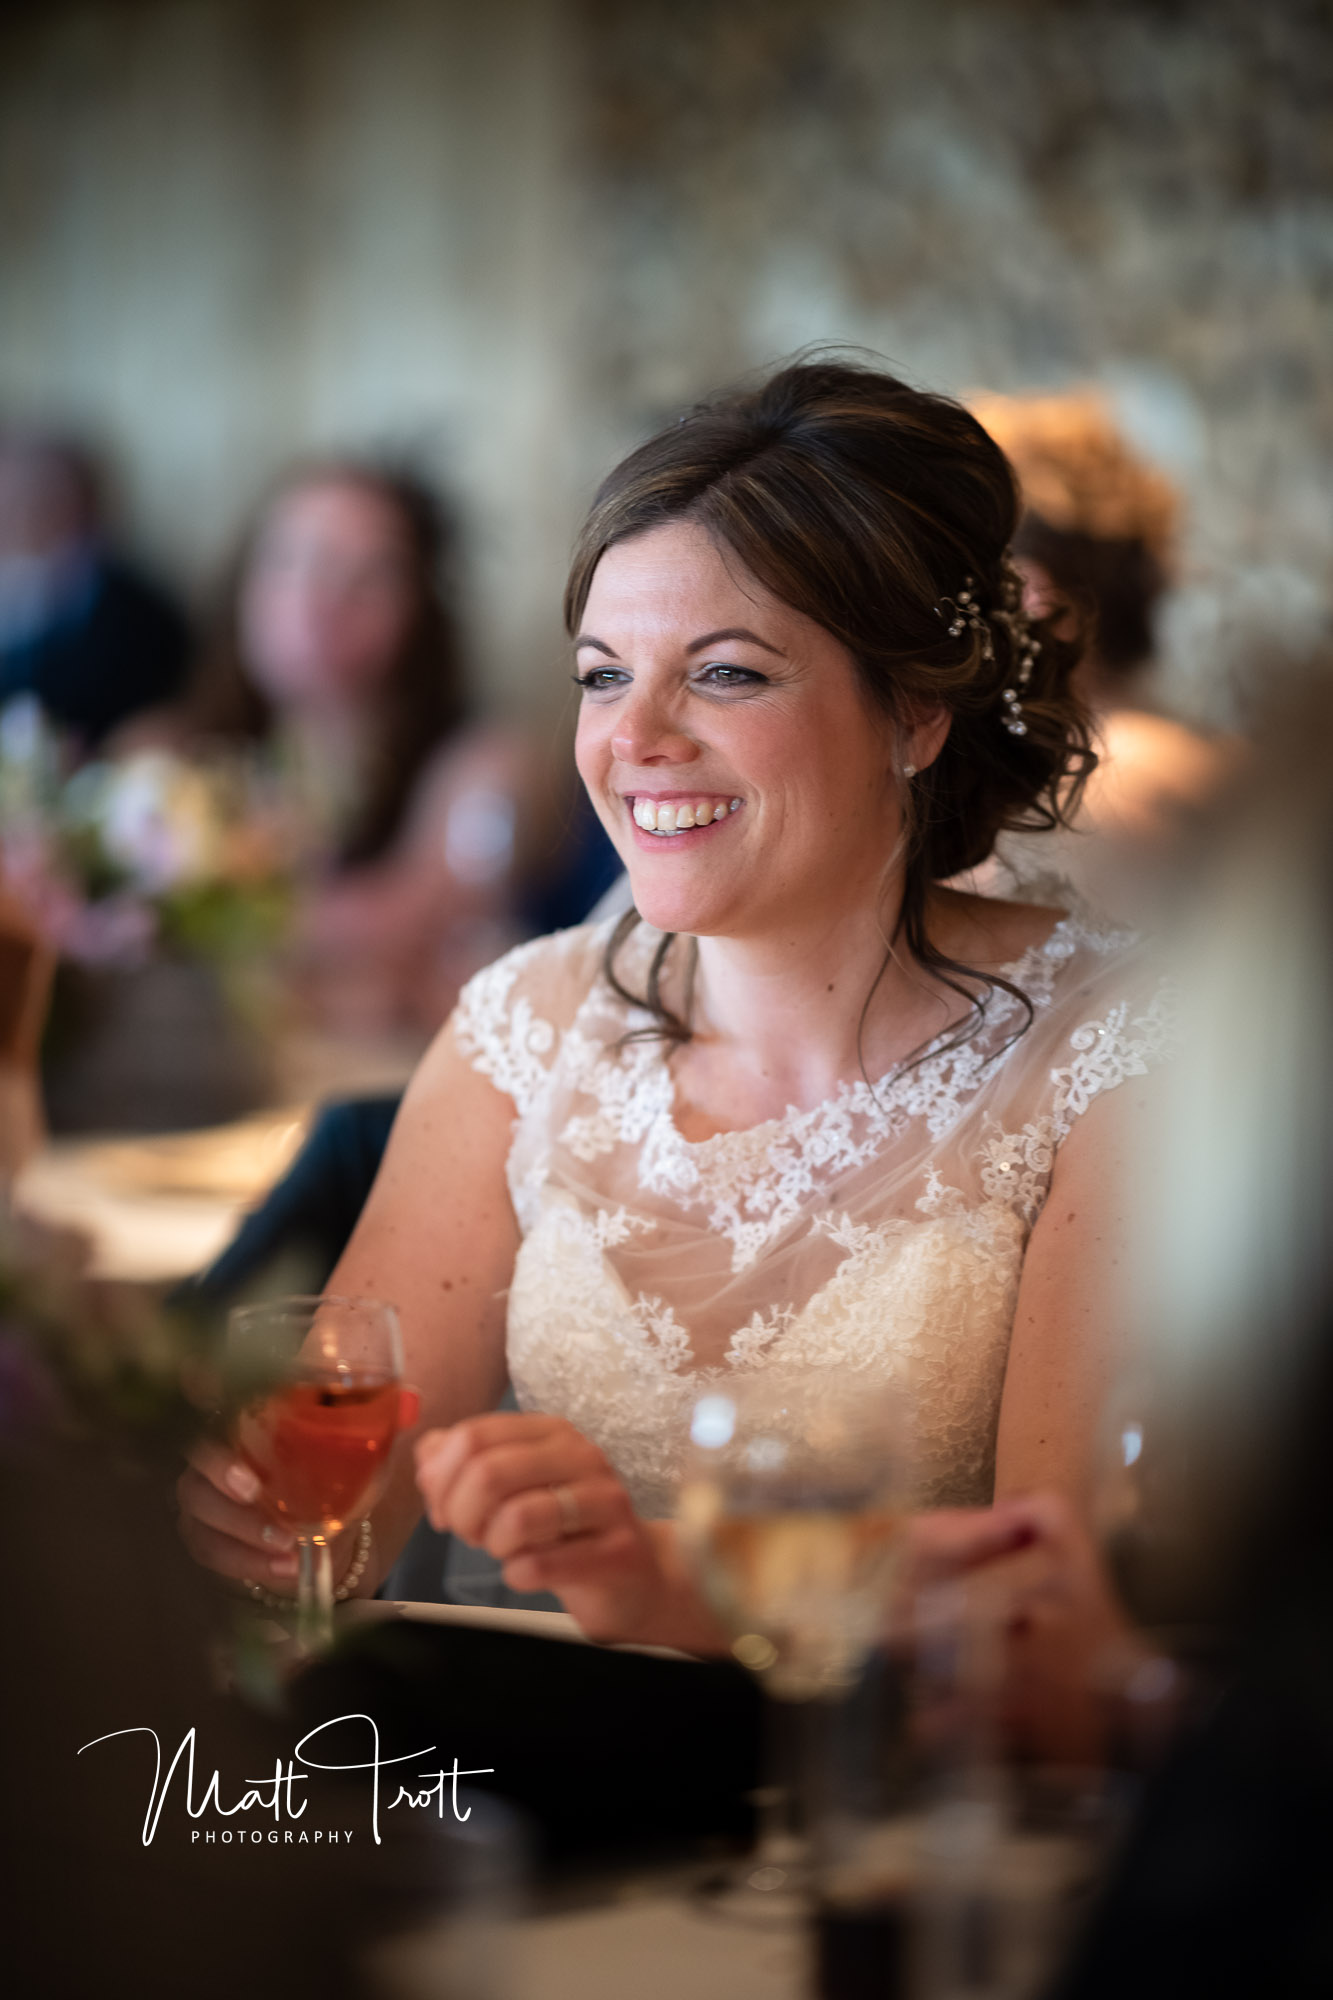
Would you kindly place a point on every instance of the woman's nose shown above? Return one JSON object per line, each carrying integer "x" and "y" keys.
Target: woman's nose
{"x": 648, "y": 731}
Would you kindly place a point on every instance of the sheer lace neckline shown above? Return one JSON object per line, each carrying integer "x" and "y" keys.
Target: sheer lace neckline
{"x": 1034, "y": 970}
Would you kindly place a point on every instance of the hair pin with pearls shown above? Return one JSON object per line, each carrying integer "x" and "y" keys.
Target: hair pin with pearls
{"x": 1023, "y": 645}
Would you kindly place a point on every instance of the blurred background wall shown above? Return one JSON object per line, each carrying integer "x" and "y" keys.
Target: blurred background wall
{"x": 508, "y": 238}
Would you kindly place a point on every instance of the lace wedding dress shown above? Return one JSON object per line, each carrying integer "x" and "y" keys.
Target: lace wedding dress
{"x": 881, "y": 1233}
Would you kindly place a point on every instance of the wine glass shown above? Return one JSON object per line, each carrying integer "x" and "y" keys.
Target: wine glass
{"x": 319, "y": 1442}
{"x": 791, "y": 1510}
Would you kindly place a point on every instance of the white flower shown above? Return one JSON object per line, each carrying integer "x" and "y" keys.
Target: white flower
{"x": 158, "y": 820}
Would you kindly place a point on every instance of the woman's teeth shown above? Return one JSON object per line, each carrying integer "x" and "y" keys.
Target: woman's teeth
{"x": 678, "y": 818}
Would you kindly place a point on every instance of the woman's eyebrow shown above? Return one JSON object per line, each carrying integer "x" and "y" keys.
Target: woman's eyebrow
{"x": 734, "y": 632}
{"x": 695, "y": 645}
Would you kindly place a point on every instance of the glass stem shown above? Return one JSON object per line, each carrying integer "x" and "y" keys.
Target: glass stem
{"x": 314, "y": 1594}
{"x": 789, "y": 1801}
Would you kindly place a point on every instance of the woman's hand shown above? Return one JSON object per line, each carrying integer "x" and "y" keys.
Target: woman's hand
{"x": 224, "y": 1528}
{"x": 543, "y": 1500}
{"x": 1063, "y": 1653}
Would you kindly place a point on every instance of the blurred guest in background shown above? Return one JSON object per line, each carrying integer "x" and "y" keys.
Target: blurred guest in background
{"x": 80, "y": 627}
{"x": 1097, "y": 536}
{"x": 340, "y": 661}
{"x": 1223, "y": 1885}
{"x": 1199, "y": 1639}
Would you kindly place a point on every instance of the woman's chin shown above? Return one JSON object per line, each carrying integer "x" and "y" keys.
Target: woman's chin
{"x": 668, "y": 909}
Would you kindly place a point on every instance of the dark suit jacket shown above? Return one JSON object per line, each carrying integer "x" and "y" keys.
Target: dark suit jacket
{"x": 124, "y": 649}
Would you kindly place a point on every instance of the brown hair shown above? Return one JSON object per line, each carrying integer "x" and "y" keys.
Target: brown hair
{"x": 866, "y": 505}
{"x": 424, "y": 696}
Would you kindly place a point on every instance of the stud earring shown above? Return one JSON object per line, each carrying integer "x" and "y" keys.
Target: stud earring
{"x": 909, "y": 770}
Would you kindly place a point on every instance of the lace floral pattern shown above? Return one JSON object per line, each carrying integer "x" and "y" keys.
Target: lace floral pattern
{"x": 505, "y": 1039}
{"x": 1108, "y": 1052}
{"x": 882, "y": 1232}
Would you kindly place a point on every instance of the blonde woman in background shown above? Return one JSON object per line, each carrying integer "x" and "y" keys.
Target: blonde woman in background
{"x": 1097, "y": 546}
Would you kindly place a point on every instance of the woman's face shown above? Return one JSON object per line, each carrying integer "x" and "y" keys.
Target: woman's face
{"x": 328, "y": 594}
{"x": 703, "y": 693}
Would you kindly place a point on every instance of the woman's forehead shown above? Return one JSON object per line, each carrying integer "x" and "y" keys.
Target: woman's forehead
{"x": 333, "y": 504}
{"x": 678, "y": 573}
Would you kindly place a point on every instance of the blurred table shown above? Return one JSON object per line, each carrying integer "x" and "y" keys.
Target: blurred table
{"x": 313, "y": 1066}
{"x": 647, "y": 1936}
{"x": 157, "y": 1208}
{"x": 652, "y": 1945}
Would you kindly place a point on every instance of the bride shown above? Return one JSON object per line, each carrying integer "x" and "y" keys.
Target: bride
{"x": 802, "y": 1106}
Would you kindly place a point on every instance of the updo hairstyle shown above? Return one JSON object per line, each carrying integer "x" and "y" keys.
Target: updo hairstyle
{"x": 869, "y": 506}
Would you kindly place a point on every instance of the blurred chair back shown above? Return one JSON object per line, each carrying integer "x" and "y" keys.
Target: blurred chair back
{"x": 26, "y": 965}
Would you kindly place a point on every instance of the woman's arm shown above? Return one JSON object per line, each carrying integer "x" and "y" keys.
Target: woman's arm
{"x": 437, "y": 1239}
{"x": 452, "y": 859}
{"x": 1070, "y": 1323}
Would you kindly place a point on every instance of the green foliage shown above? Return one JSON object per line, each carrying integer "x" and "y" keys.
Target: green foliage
{"x": 225, "y": 922}
{"x": 112, "y": 1360}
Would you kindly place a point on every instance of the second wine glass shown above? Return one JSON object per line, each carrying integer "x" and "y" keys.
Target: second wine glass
{"x": 791, "y": 1510}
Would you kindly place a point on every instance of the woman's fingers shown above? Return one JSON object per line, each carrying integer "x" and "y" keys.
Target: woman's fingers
{"x": 544, "y": 1500}
{"x": 442, "y": 1455}
{"x": 201, "y": 1501}
{"x": 239, "y": 1560}
{"x": 234, "y": 1539}
{"x": 537, "y": 1519}
{"x": 224, "y": 1470}
{"x": 468, "y": 1473}
{"x": 579, "y": 1559}
{"x": 498, "y": 1476}
{"x": 953, "y": 1540}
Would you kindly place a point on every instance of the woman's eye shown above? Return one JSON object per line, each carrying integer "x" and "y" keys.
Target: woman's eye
{"x": 718, "y": 673}
{"x": 599, "y": 678}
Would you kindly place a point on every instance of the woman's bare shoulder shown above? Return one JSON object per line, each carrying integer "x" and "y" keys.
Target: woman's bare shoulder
{"x": 988, "y": 932}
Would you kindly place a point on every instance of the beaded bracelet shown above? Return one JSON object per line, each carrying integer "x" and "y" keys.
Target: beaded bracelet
{"x": 353, "y": 1574}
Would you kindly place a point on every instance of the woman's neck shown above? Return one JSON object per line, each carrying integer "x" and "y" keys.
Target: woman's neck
{"x": 339, "y": 729}
{"x": 782, "y": 1019}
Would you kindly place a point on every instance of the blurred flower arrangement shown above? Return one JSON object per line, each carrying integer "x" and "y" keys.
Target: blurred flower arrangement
{"x": 152, "y": 853}
{"x": 94, "y": 1357}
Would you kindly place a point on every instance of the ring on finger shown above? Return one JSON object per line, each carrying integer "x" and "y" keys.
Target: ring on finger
{"x": 571, "y": 1520}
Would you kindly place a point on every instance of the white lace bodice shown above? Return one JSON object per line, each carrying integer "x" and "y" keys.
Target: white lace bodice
{"x": 882, "y": 1233}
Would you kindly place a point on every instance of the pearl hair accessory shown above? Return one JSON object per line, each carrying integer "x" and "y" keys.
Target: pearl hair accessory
{"x": 967, "y": 614}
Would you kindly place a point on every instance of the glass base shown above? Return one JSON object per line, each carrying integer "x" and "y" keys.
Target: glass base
{"x": 771, "y": 1887}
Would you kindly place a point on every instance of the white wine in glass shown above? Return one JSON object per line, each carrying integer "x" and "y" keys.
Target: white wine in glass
{"x": 792, "y": 1507}
{"x": 791, "y": 1510}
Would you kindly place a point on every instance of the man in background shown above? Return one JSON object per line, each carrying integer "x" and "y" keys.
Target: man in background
{"x": 80, "y": 628}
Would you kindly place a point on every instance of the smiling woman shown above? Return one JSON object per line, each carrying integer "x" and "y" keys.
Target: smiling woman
{"x": 755, "y": 735}
{"x": 803, "y": 1109}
